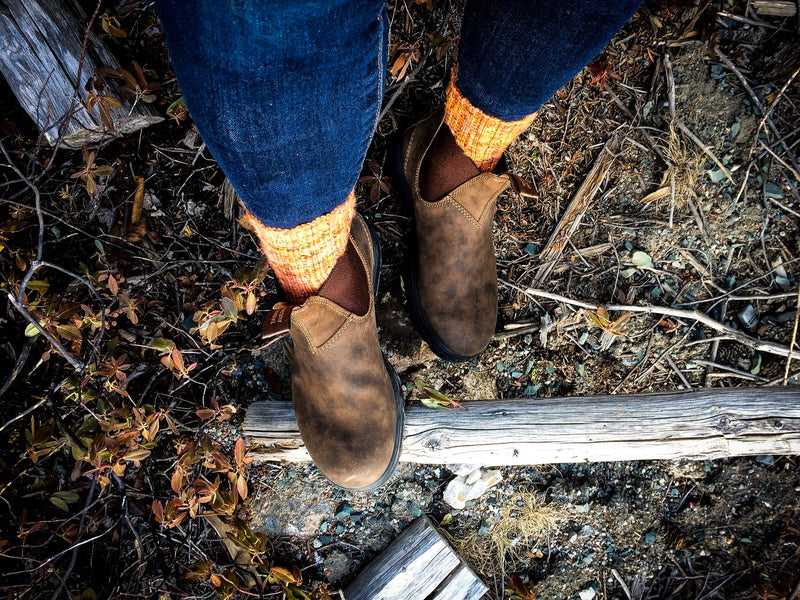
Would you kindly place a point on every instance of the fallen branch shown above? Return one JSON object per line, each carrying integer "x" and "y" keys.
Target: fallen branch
{"x": 697, "y": 424}
{"x": 678, "y": 313}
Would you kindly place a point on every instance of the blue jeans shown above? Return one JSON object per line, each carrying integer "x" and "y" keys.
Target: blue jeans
{"x": 287, "y": 94}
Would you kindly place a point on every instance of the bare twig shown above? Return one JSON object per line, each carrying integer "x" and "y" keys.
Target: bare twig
{"x": 670, "y": 84}
{"x": 732, "y": 370}
{"x": 23, "y": 356}
{"x": 794, "y": 338}
{"x": 76, "y": 364}
{"x": 688, "y": 132}
{"x": 757, "y": 102}
{"x": 795, "y": 592}
{"x": 622, "y": 583}
{"x": 24, "y": 414}
{"x": 576, "y": 210}
{"x": 760, "y": 345}
{"x": 17, "y": 302}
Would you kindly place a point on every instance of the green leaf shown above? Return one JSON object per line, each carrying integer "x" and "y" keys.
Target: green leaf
{"x": 59, "y": 503}
{"x": 41, "y": 286}
{"x": 31, "y": 330}
{"x": 68, "y": 497}
{"x": 260, "y": 270}
{"x": 172, "y": 107}
{"x": 431, "y": 403}
{"x": 162, "y": 345}
{"x": 229, "y": 309}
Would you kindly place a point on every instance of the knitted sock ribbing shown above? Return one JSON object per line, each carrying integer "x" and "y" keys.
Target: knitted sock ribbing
{"x": 304, "y": 256}
{"x": 483, "y": 138}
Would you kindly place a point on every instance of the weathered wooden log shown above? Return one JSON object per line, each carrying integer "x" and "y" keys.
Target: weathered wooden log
{"x": 775, "y": 8}
{"x": 40, "y": 57}
{"x": 697, "y": 424}
{"x": 418, "y": 565}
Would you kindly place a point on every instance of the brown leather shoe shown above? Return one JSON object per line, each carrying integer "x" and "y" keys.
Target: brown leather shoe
{"x": 347, "y": 398}
{"x": 452, "y": 281}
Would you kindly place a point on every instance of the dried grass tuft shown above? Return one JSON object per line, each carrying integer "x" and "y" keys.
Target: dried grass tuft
{"x": 683, "y": 173}
{"x": 513, "y": 540}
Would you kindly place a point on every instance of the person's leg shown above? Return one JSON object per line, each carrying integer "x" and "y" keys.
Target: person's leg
{"x": 512, "y": 56}
{"x": 287, "y": 95}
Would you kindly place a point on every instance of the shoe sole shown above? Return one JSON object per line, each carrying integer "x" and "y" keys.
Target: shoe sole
{"x": 410, "y": 273}
{"x": 398, "y": 394}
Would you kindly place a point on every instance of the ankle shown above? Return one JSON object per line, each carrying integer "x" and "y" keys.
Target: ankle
{"x": 348, "y": 285}
{"x": 482, "y": 137}
{"x": 445, "y": 167}
{"x": 303, "y": 257}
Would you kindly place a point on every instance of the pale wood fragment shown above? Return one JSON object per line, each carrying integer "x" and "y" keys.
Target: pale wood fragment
{"x": 696, "y": 424}
{"x": 459, "y": 585}
{"x": 418, "y": 565}
{"x": 775, "y": 8}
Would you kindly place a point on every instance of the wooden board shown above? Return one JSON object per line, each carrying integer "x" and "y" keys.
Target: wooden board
{"x": 418, "y": 565}
{"x": 698, "y": 424}
{"x": 40, "y": 57}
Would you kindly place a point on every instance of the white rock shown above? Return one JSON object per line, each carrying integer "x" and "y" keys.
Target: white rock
{"x": 470, "y": 486}
{"x": 587, "y": 594}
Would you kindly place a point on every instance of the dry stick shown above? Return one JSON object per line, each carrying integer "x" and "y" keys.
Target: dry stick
{"x": 670, "y": 84}
{"x": 21, "y": 360}
{"x": 759, "y": 105}
{"x": 682, "y": 126}
{"x": 621, "y": 581}
{"x": 756, "y": 23}
{"x": 402, "y": 86}
{"x": 35, "y": 265}
{"x": 76, "y": 364}
{"x": 716, "y": 365}
{"x": 576, "y": 210}
{"x": 678, "y": 372}
{"x": 794, "y": 337}
{"x": 795, "y": 592}
{"x": 771, "y": 152}
{"x": 653, "y": 146}
{"x": 756, "y": 139}
{"x": 694, "y": 315}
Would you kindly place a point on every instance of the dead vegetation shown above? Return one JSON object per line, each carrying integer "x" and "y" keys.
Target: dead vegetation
{"x": 511, "y": 540}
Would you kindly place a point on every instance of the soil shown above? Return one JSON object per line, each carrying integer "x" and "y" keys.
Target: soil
{"x": 727, "y": 528}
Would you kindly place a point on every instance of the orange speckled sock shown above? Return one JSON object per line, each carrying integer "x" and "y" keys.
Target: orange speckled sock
{"x": 483, "y": 138}
{"x": 302, "y": 257}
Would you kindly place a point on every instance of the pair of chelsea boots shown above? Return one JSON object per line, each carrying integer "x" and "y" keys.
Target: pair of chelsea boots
{"x": 347, "y": 398}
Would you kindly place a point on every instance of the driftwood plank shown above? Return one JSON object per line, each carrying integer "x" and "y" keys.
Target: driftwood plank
{"x": 460, "y": 584}
{"x": 40, "y": 57}
{"x": 418, "y": 565}
{"x": 698, "y": 424}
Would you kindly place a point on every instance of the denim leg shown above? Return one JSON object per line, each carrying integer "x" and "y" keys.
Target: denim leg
{"x": 513, "y": 55}
{"x": 285, "y": 94}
